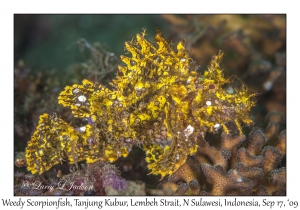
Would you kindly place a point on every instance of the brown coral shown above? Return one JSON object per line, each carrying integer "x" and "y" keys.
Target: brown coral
{"x": 237, "y": 165}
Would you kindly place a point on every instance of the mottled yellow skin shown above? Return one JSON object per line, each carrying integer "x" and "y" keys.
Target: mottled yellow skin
{"x": 156, "y": 100}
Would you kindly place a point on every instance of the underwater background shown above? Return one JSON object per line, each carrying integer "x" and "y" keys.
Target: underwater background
{"x": 53, "y": 51}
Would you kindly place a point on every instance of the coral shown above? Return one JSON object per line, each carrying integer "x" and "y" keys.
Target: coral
{"x": 157, "y": 101}
{"x": 132, "y": 188}
{"x": 20, "y": 159}
{"x": 186, "y": 178}
{"x": 93, "y": 179}
{"x": 113, "y": 180}
{"x": 222, "y": 182}
{"x": 249, "y": 166}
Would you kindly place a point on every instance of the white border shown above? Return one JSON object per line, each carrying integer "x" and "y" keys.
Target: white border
{"x": 8, "y": 8}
